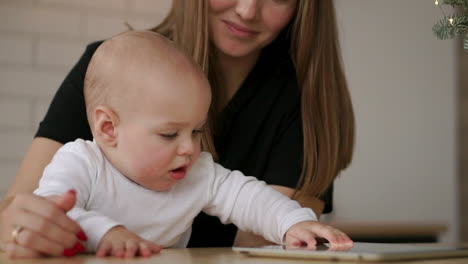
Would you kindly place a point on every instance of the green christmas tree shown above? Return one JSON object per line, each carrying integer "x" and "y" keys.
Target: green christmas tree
{"x": 453, "y": 25}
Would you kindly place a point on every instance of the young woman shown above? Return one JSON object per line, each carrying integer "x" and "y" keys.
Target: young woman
{"x": 281, "y": 111}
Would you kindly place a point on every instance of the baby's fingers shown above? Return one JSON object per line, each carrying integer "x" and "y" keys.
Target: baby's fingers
{"x": 148, "y": 248}
{"x": 339, "y": 241}
{"x": 131, "y": 247}
{"x": 118, "y": 249}
{"x": 293, "y": 242}
{"x": 305, "y": 237}
{"x": 155, "y": 248}
{"x": 144, "y": 250}
{"x": 343, "y": 243}
{"x": 104, "y": 250}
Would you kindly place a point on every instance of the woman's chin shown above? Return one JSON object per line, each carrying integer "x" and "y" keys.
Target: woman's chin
{"x": 236, "y": 50}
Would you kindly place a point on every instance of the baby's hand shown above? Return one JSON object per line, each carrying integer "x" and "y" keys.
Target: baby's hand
{"x": 119, "y": 242}
{"x": 306, "y": 234}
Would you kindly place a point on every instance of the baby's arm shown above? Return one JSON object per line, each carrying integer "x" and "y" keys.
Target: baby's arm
{"x": 73, "y": 168}
{"x": 253, "y": 206}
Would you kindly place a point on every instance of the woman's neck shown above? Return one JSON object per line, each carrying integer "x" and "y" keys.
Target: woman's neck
{"x": 234, "y": 71}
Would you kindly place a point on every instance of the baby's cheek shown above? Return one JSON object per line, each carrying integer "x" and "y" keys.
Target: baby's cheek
{"x": 155, "y": 163}
{"x": 195, "y": 155}
{"x": 147, "y": 166}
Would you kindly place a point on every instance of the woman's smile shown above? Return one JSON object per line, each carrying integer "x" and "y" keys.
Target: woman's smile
{"x": 240, "y": 31}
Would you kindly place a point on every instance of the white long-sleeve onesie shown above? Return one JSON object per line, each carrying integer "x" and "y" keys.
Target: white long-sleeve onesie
{"x": 106, "y": 198}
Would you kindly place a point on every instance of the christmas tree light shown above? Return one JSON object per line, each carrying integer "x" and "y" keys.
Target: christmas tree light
{"x": 453, "y": 25}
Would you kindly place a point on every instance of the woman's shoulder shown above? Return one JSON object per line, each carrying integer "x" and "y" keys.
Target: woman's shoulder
{"x": 76, "y": 75}
{"x": 92, "y": 47}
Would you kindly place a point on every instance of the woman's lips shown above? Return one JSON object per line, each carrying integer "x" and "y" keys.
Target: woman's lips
{"x": 240, "y": 31}
{"x": 178, "y": 174}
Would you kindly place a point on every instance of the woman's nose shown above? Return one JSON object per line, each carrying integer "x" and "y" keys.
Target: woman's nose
{"x": 247, "y": 9}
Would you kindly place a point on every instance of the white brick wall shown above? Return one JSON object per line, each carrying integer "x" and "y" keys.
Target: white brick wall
{"x": 40, "y": 40}
{"x": 57, "y": 52}
{"x": 150, "y": 6}
{"x": 21, "y": 107}
{"x": 16, "y": 48}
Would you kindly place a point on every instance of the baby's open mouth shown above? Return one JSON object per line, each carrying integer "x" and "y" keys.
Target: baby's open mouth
{"x": 179, "y": 173}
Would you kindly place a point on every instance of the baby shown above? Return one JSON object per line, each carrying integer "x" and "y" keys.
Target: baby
{"x": 144, "y": 179}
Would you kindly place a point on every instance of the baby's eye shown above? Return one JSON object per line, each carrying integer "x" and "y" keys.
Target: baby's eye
{"x": 197, "y": 131}
{"x": 169, "y": 135}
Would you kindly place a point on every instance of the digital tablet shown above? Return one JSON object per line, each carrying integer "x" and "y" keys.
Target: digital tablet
{"x": 361, "y": 252}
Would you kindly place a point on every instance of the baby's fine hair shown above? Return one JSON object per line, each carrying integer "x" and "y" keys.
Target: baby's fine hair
{"x": 128, "y": 53}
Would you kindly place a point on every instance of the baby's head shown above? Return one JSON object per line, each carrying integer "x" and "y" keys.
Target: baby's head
{"x": 146, "y": 103}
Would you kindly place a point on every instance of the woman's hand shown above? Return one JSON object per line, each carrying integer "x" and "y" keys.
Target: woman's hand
{"x": 42, "y": 227}
{"x": 120, "y": 242}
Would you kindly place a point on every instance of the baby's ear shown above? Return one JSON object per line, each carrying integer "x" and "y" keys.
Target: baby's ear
{"x": 105, "y": 123}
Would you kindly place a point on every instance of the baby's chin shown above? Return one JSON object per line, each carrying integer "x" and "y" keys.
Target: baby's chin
{"x": 160, "y": 187}
{"x": 157, "y": 183}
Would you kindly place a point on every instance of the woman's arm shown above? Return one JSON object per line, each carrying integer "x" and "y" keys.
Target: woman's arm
{"x": 33, "y": 213}
{"x": 247, "y": 239}
{"x": 27, "y": 178}
{"x": 65, "y": 121}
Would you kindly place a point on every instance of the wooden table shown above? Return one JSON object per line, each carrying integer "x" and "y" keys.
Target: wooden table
{"x": 198, "y": 255}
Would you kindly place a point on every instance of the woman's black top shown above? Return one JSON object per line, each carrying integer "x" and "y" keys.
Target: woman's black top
{"x": 260, "y": 130}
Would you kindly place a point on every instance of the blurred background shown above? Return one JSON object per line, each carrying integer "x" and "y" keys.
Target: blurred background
{"x": 409, "y": 90}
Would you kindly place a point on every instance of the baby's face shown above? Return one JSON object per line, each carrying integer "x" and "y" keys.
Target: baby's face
{"x": 159, "y": 138}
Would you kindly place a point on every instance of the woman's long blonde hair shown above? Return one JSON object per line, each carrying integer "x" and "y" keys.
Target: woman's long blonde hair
{"x": 326, "y": 109}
